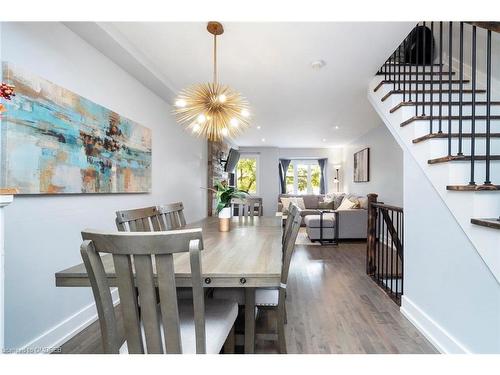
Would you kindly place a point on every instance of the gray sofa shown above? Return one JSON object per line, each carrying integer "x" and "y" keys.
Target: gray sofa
{"x": 352, "y": 222}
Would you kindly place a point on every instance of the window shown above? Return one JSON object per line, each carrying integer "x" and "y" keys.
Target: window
{"x": 303, "y": 177}
{"x": 246, "y": 174}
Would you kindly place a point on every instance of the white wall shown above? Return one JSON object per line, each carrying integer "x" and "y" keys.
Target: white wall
{"x": 268, "y": 175}
{"x": 386, "y": 166}
{"x": 449, "y": 292}
{"x": 43, "y": 232}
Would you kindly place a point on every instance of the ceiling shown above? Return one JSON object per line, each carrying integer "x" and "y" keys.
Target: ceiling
{"x": 270, "y": 64}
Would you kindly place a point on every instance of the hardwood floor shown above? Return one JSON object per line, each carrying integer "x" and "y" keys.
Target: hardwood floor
{"x": 332, "y": 306}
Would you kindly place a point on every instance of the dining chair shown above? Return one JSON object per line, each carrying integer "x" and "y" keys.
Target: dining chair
{"x": 246, "y": 206}
{"x": 273, "y": 298}
{"x": 170, "y": 326}
{"x": 155, "y": 218}
{"x": 172, "y": 216}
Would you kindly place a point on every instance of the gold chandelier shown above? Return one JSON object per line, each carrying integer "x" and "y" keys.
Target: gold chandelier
{"x": 212, "y": 110}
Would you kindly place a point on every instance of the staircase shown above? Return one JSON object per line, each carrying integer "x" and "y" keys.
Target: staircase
{"x": 439, "y": 106}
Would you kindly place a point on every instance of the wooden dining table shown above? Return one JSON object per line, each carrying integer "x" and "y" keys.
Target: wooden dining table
{"x": 248, "y": 257}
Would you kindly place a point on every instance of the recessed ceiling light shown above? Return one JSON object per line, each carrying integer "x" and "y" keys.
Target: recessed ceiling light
{"x": 263, "y": 139}
{"x": 324, "y": 139}
{"x": 337, "y": 127}
{"x": 318, "y": 64}
{"x": 258, "y": 127}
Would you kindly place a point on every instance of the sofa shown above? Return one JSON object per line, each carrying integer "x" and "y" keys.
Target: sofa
{"x": 352, "y": 222}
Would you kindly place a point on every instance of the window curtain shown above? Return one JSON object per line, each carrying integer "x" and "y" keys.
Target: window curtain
{"x": 322, "y": 179}
{"x": 283, "y": 167}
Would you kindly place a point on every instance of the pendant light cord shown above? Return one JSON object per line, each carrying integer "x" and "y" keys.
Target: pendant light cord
{"x": 215, "y": 58}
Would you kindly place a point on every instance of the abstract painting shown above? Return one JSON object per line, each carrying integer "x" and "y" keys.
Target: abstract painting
{"x": 362, "y": 165}
{"x": 54, "y": 141}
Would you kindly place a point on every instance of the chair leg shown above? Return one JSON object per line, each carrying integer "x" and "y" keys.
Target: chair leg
{"x": 286, "y": 315}
{"x": 281, "y": 330}
{"x": 230, "y": 343}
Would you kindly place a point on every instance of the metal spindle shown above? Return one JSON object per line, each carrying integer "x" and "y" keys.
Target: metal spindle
{"x": 432, "y": 79}
{"x": 377, "y": 271}
{"x": 402, "y": 255}
{"x": 399, "y": 67}
{"x": 473, "y": 109}
{"x": 392, "y": 253}
{"x": 417, "y": 69}
{"x": 404, "y": 70}
{"x": 440, "y": 130}
{"x": 397, "y": 258}
{"x": 423, "y": 71}
{"x": 488, "y": 107}
{"x": 450, "y": 55}
{"x": 386, "y": 247}
{"x": 461, "y": 92}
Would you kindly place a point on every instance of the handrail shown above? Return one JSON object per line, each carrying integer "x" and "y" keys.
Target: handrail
{"x": 493, "y": 26}
{"x": 387, "y": 206}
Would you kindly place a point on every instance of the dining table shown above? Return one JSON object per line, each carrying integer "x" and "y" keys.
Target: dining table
{"x": 248, "y": 256}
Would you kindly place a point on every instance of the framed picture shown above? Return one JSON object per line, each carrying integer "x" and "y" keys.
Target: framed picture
{"x": 362, "y": 165}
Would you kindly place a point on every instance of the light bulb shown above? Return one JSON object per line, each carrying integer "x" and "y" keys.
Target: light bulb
{"x": 234, "y": 122}
{"x": 196, "y": 128}
{"x": 181, "y": 103}
{"x": 222, "y": 98}
{"x": 224, "y": 132}
{"x": 245, "y": 113}
{"x": 201, "y": 119}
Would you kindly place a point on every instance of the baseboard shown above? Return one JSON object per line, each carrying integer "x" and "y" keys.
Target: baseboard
{"x": 437, "y": 335}
{"x": 68, "y": 328}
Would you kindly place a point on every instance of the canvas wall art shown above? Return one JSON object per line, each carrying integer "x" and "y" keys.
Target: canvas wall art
{"x": 54, "y": 141}
{"x": 362, "y": 165}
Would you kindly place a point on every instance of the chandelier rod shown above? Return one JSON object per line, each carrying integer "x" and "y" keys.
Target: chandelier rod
{"x": 215, "y": 58}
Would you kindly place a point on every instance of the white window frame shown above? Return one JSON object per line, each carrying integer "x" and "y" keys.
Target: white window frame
{"x": 257, "y": 171}
{"x": 309, "y": 162}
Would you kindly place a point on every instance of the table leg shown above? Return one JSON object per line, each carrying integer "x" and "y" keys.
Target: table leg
{"x": 249, "y": 320}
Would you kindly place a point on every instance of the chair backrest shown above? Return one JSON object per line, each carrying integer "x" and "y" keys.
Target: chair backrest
{"x": 292, "y": 228}
{"x": 172, "y": 216}
{"x": 144, "y": 219}
{"x": 292, "y": 208}
{"x": 246, "y": 206}
{"x": 148, "y": 219}
{"x": 139, "y": 251}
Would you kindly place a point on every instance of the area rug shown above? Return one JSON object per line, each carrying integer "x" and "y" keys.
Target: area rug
{"x": 302, "y": 239}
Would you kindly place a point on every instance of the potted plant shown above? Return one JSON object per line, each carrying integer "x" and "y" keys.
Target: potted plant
{"x": 223, "y": 195}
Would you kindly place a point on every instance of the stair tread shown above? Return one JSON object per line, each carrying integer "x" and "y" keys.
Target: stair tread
{"x": 484, "y": 187}
{"x": 426, "y": 72}
{"x": 445, "y": 91}
{"x": 453, "y": 135}
{"x": 445, "y": 159}
{"x": 488, "y": 222}
{"x": 444, "y": 104}
{"x": 428, "y": 117}
{"x": 418, "y": 81}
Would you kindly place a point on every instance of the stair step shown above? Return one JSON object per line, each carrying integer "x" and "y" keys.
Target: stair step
{"x": 453, "y": 135}
{"x": 484, "y": 187}
{"x": 490, "y": 223}
{"x": 421, "y": 92}
{"x": 418, "y": 82}
{"x": 445, "y": 159}
{"x": 427, "y": 73}
{"x": 427, "y": 118}
{"x": 436, "y": 104}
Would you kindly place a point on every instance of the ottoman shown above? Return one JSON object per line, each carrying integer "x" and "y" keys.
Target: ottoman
{"x": 321, "y": 228}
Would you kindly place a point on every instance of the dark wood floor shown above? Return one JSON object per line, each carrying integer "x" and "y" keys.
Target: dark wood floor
{"x": 333, "y": 307}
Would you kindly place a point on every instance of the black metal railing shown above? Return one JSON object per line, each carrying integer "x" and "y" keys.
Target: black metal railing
{"x": 412, "y": 71}
{"x": 385, "y": 247}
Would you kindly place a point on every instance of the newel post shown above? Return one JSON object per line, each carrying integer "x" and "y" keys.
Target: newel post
{"x": 371, "y": 238}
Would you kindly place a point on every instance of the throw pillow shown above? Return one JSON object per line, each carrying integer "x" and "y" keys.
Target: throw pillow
{"x": 363, "y": 203}
{"x": 336, "y": 198}
{"x": 346, "y": 204}
{"x": 326, "y": 205}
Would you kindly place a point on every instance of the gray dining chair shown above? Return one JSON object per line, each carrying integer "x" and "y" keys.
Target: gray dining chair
{"x": 155, "y": 218}
{"x": 170, "y": 326}
{"x": 273, "y": 298}
{"x": 246, "y": 206}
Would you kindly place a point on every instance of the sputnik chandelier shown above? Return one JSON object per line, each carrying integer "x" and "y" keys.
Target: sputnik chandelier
{"x": 212, "y": 110}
